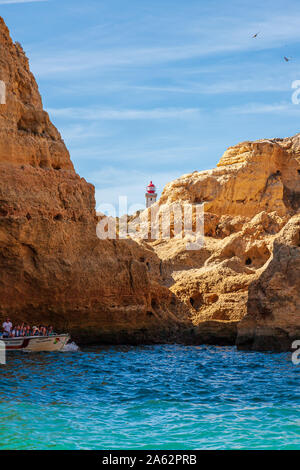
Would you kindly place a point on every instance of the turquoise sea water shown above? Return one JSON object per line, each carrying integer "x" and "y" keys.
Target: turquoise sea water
{"x": 151, "y": 397}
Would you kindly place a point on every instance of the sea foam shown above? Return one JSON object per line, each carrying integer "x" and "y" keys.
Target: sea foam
{"x": 70, "y": 347}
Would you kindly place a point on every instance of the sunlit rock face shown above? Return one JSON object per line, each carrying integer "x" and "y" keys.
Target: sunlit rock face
{"x": 53, "y": 268}
{"x": 241, "y": 286}
{"x": 26, "y": 134}
{"x": 251, "y": 201}
{"x": 272, "y": 321}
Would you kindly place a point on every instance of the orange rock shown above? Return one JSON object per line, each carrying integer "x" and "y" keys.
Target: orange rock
{"x": 53, "y": 268}
{"x": 26, "y": 134}
{"x": 272, "y": 321}
{"x": 248, "y": 199}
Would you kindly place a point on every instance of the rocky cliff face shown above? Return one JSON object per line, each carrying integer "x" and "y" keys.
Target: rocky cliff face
{"x": 26, "y": 134}
{"x": 245, "y": 276}
{"x": 241, "y": 286}
{"x": 272, "y": 321}
{"x": 53, "y": 268}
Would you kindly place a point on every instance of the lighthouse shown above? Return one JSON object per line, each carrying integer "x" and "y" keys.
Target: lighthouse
{"x": 150, "y": 194}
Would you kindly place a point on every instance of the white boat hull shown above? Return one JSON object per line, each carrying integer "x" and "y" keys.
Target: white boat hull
{"x": 36, "y": 343}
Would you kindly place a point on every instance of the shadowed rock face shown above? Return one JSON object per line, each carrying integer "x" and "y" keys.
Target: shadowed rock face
{"x": 53, "y": 268}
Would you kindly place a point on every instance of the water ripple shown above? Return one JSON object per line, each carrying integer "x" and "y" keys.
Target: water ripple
{"x": 150, "y": 397}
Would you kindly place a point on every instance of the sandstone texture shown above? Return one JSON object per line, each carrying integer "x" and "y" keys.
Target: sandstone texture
{"x": 53, "y": 268}
{"x": 248, "y": 268}
{"x": 247, "y": 273}
{"x": 241, "y": 287}
{"x": 272, "y": 321}
{"x": 26, "y": 134}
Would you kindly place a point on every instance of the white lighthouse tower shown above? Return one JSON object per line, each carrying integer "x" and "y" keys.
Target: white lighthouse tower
{"x": 150, "y": 194}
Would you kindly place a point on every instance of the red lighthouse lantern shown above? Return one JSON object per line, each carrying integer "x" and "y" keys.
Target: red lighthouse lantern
{"x": 151, "y": 194}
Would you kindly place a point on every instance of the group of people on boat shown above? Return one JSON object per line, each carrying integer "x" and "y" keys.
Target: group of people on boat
{"x": 22, "y": 330}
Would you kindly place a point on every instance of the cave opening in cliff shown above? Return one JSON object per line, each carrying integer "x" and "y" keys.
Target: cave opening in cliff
{"x": 248, "y": 261}
{"x": 196, "y": 301}
{"x": 298, "y": 172}
{"x": 3, "y": 212}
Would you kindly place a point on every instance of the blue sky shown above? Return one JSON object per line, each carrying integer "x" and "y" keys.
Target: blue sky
{"x": 153, "y": 89}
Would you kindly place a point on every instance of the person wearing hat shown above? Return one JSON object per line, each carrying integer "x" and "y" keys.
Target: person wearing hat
{"x": 35, "y": 331}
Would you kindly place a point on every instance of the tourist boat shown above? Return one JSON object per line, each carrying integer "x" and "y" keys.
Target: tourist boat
{"x": 36, "y": 343}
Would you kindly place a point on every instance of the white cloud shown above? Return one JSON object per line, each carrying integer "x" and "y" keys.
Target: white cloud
{"x": 111, "y": 183}
{"x": 275, "y": 31}
{"x": 123, "y": 114}
{"x": 264, "y": 108}
{"x": 10, "y": 2}
{"x": 233, "y": 86}
{"x": 82, "y": 131}
{"x": 120, "y": 154}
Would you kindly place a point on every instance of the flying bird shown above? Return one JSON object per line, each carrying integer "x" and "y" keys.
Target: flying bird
{"x": 287, "y": 59}
{"x": 255, "y": 35}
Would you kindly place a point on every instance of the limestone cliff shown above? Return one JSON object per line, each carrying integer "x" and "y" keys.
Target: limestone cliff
{"x": 26, "y": 133}
{"x": 53, "y": 268}
{"x": 246, "y": 273}
{"x": 272, "y": 321}
{"x": 241, "y": 287}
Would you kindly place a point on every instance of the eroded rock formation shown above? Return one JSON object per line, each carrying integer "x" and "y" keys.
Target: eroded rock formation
{"x": 53, "y": 268}
{"x": 243, "y": 284}
{"x": 272, "y": 321}
{"x": 250, "y": 257}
